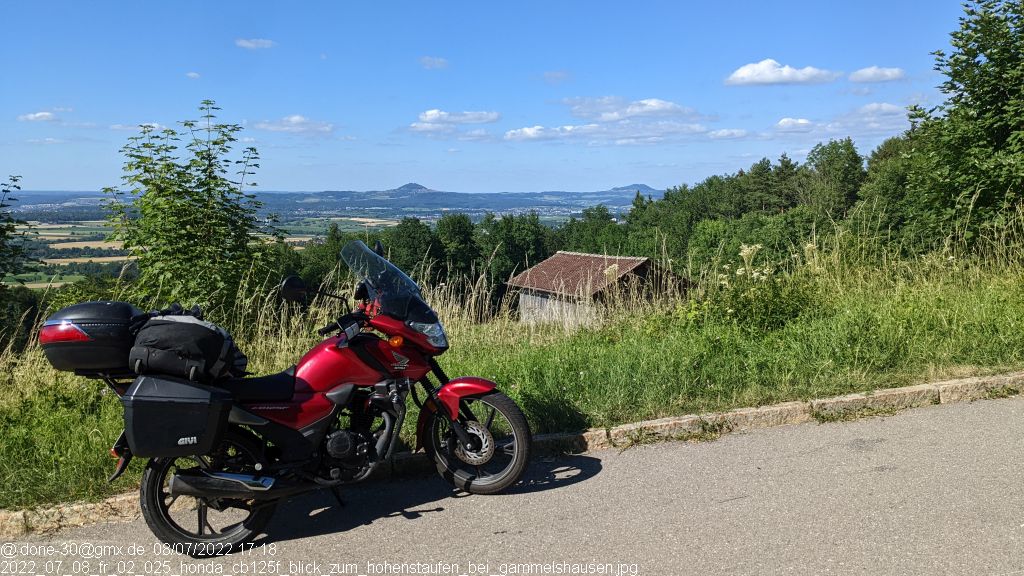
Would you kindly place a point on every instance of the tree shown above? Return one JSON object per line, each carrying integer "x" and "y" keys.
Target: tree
{"x": 12, "y": 240}
{"x": 16, "y": 304}
{"x": 512, "y": 243}
{"x": 190, "y": 225}
{"x": 972, "y": 146}
{"x": 319, "y": 259}
{"x": 412, "y": 247}
{"x": 885, "y": 211}
{"x": 455, "y": 234}
{"x": 837, "y": 171}
{"x": 597, "y": 231}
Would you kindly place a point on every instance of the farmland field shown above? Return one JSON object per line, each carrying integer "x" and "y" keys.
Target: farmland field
{"x": 115, "y": 245}
{"x": 82, "y": 259}
{"x": 56, "y": 246}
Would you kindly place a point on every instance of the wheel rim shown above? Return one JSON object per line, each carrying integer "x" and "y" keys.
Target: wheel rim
{"x": 206, "y": 518}
{"x": 495, "y": 447}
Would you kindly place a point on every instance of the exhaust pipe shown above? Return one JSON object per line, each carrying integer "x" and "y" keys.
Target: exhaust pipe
{"x": 200, "y": 484}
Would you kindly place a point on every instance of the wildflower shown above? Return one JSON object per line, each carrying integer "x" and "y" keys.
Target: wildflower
{"x": 747, "y": 253}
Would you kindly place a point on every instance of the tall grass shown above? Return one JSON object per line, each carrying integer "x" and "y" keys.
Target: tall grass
{"x": 843, "y": 315}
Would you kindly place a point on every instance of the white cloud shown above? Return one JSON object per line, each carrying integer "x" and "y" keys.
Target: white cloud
{"x": 877, "y": 118}
{"x": 727, "y": 133}
{"x": 436, "y": 116}
{"x": 192, "y": 75}
{"x": 477, "y": 135}
{"x": 437, "y": 123}
{"x": 615, "y": 120}
{"x": 876, "y": 74}
{"x": 769, "y": 71}
{"x": 624, "y": 132}
{"x": 794, "y": 125}
{"x": 865, "y": 122}
{"x": 613, "y": 108}
{"x": 881, "y": 109}
{"x": 555, "y": 77}
{"x": 38, "y": 117}
{"x": 541, "y": 133}
{"x": 295, "y": 124}
{"x": 46, "y": 141}
{"x": 431, "y": 127}
{"x": 254, "y": 43}
{"x": 433, "y": 62}
{"x": 156, "y": 127}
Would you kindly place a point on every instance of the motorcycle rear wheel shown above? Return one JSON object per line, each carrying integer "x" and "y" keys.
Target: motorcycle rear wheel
{"x": 501, "y": 438}
{"x": 220, "y": 525}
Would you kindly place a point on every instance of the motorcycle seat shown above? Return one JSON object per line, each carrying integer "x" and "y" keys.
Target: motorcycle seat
{"x": 278, "y": 387}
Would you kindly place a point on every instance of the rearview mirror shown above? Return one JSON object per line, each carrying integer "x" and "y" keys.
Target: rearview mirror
{"x": 293, "y": 289}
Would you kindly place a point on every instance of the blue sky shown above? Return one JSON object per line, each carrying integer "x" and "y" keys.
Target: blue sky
{"x": 464, "y": 96}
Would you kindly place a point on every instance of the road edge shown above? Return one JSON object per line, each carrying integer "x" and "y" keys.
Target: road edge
{"x": 125, "y": 508}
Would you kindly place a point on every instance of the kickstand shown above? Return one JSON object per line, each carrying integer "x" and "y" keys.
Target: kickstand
{"x": 336, "y": 492}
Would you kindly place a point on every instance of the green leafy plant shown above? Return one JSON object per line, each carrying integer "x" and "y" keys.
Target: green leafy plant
{"x": 185, "y": 214}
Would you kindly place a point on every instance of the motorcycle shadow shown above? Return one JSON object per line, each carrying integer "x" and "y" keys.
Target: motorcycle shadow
{"x": 318, "y": 514}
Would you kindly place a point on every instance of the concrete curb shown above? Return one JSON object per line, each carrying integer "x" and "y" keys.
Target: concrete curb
{"x": 124, "y": 507}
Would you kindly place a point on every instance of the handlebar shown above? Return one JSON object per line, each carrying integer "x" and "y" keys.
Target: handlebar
{"x": 353, "y": 321}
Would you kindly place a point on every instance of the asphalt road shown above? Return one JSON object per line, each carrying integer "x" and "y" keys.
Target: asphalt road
{"x": 936, "y": 490}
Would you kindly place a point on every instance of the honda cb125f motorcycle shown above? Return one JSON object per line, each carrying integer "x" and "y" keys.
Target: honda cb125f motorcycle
{"x": 225, "y": 450}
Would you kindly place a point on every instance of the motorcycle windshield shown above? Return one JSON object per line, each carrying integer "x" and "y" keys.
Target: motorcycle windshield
{"x": 398, "y": 295}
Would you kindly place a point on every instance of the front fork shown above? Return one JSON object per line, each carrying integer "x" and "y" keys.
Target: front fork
{"x": 445, "y": 400}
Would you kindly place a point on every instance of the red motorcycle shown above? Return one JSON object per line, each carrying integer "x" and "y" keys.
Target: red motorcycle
{"x": 224, "y": 453}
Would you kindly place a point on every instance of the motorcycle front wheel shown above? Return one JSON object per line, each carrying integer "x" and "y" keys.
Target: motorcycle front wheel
{"x": 500, "y": 451}
{"x": 204, "y": 526}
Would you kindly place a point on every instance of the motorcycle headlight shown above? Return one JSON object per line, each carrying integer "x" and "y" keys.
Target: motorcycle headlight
{"x": 434, "y": 333}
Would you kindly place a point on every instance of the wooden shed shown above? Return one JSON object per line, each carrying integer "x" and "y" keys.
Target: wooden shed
{"x": 564, "y": 287}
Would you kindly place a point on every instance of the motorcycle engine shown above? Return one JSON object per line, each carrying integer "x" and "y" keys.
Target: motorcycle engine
{"x": 346, "y": 445}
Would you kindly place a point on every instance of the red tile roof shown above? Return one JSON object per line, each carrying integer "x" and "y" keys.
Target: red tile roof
{"x": 576, "y": 274}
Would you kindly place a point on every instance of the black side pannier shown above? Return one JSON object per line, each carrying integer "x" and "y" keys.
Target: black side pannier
{"x": 171, "y": 417}
{"x": 91, "y": 338}
{"x": 185, "y": 346}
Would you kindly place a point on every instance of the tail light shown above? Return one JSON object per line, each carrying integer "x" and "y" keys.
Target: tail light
{"x": 63, "y": 332}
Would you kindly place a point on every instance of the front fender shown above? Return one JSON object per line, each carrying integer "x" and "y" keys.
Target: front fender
{"x": 449, "y": 394}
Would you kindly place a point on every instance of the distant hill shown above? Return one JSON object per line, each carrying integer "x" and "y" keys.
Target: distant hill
{"x": 641, "y": 188}
{"x": 410, "y": 199}
{"x": 412, "y": 187}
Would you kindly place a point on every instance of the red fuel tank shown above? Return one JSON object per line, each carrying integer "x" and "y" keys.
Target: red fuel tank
{"x": 322, "y": 369}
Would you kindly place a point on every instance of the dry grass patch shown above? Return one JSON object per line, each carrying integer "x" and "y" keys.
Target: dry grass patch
{"x": 112, "y": 244}
{"x": 84, "y": 259}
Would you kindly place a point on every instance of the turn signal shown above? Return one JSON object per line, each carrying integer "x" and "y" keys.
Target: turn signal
{"x": 396, "y": 341}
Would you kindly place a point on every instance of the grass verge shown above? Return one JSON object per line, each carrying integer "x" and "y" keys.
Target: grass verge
{"x": 848, "y": 332}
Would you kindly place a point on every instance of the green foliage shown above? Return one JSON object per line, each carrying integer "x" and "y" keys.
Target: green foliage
{"x": 319, "y": 259}
{"x": 12, "y": 240}
{"x": 971, "y": 177}
{"x": 460, "y": 253}
{"x": 413, "y": 247}
{"x": 596, "y": 232}
{"x": 836, "y": 174}
{"x": 190, "y": 224}
{"x": 17, "y": 307}
{"x": 512, "y": 243}
{"x": 760, "y": 299}
{"x": 780, "y": 236}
